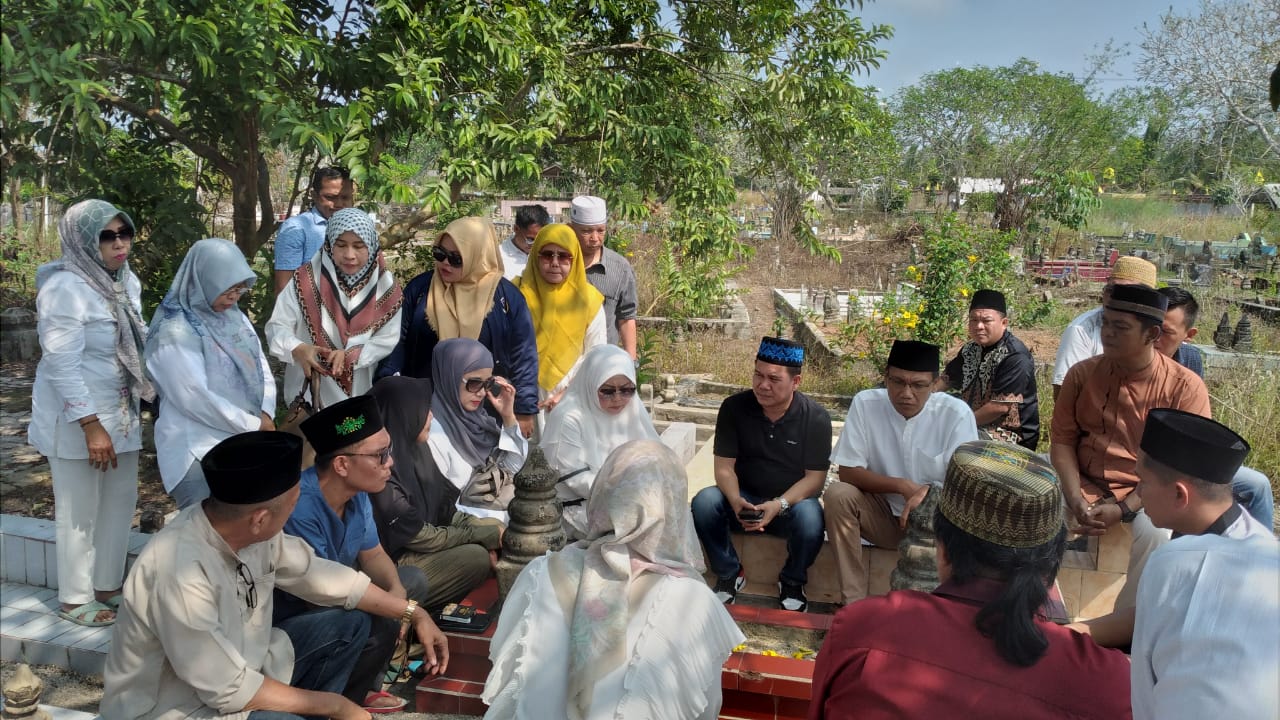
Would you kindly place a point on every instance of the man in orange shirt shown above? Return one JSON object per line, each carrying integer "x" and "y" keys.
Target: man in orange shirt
{"x": 1099, "y": 418}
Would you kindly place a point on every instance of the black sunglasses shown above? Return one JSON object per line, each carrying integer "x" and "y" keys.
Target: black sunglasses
{"x": 382, "y": 455}
{"x": 476, "y": 384}
{"x": 246, "y": 577}
{"x": 109, "y": 236}
{"x": 442, "y": 255}
{"x": 625, "y": 391}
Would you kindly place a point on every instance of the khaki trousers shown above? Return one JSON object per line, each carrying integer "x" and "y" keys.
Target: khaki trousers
{"x": 851, "y": 515}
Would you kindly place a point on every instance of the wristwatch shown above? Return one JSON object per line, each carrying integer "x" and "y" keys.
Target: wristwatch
{"x": 784, "y": 504}
{"x": 1126, "y": 515}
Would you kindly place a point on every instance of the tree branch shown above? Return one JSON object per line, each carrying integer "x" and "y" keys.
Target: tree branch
{"x": 112, "y": 65}
{"x": 170, "y": 128}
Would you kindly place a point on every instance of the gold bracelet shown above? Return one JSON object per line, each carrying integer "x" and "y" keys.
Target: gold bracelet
{"x": 407, "y": 615}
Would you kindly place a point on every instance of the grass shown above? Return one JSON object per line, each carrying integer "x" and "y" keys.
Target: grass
{"x": 1118, "y": 215}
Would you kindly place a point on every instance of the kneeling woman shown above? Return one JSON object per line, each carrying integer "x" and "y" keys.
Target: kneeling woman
{"x": 600, "y": 411}
{"x": 476, "y": 453}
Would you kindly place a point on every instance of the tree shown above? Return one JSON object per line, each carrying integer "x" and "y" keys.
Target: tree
{"x": 1008, "y": 122}
{"x": 1217, "y": 63}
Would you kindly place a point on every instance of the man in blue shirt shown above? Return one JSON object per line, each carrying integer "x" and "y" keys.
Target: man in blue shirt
{"x": 301, "y": 236}
{"x": 335, "y": 517}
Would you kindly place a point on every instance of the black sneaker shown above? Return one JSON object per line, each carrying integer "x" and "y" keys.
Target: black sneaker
{"x": 791, "y": 597}
{"x": 727, "y": 588}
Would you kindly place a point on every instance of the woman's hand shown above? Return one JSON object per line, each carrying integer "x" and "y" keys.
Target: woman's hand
{"x": 504, "y": 401}
{"x": 102, "y": 454}
{"x": 267, "y": 423}
{"x": 550, "y": 403}
{"x": 336, "y": 359}
{"x": 308, "y": 357}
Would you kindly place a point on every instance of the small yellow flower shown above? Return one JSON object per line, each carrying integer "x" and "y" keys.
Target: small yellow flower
{"x": 973, "y": 259}
{"x": 770, "y": 653}
{"x": 886, "y": 320}
{"x": 740, "y": 648}
{"x": 964, "y": 292}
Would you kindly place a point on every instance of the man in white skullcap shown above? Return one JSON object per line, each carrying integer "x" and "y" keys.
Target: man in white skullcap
{"x": 608, "y": 271}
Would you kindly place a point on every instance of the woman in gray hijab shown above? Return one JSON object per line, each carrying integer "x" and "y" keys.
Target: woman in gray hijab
{"x": 207, "y": 364}
{"x": 85, "y": 403}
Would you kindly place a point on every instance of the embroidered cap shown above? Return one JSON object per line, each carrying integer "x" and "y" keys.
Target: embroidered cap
{"x": 588, "y": 210}
{"x": 914, "y": 356}
{"x": 342, "y": 424}
{"x": 1202, "y": 448}
{"x": 253, "y": 467}
{"x": 1130, "y": 270}
{"x": 1003, "y": 494}
{"x": 780, "y": 351}
{"x": 988, "y": 300}
{"x": 1138, "y": 300}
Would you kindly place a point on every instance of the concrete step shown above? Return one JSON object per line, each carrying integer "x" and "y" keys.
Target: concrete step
{"x": 32, "y": 632}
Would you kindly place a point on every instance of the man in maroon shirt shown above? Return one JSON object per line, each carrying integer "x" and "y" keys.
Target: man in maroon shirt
{"x": 977, "y": 647}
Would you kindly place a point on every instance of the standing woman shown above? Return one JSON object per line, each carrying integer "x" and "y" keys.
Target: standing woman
{"x": 467, "y": 296}
{"x": 85, "y": 403}
{"x": 206, "y": 361}
{"x": 568, "y": 312}
{"x": 599, "y": 412}
{"x": 339, "y": 315}
{"x": 476, "y": 453}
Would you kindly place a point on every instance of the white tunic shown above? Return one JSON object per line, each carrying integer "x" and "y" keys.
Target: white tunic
{"x": 194, "y": 417}
{"x": 677, "y": 641}
{"x": 1206, "y": 643}
{"x": 79, "y": 374}
{"x": 1080, "y": 341}
{"x": 512, "y": 449}
{"x": 287, "y": 329}
{"x": 878, "y": 438}
{"x": 514, "y": 259}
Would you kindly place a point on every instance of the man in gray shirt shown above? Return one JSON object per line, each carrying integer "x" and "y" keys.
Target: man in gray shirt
{"x": 608, "y": 271}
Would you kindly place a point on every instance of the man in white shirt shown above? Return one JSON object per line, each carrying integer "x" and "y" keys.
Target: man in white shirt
{"x": 896, "y": 442}
{"x": 1207, "y": 636}
{"x": 515, "y": 249}
{"x": 193, "y": 638}
{"x": 1083, "y": 337}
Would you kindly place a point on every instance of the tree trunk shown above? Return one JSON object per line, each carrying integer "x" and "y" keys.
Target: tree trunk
{"x": 15, "y": 203}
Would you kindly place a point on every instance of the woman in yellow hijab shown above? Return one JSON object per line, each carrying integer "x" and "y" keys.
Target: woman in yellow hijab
{"x": 568, "y": 312}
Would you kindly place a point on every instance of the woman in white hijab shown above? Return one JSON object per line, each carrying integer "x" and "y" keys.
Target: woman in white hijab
{"x": 621, "y": 624}
{"x": 599, "y": 412}
{"x": 339, "y": 315}
{"x": 207, "y": 364}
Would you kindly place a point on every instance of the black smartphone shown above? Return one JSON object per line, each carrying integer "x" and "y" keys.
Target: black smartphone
{"x": 750, "y": 515}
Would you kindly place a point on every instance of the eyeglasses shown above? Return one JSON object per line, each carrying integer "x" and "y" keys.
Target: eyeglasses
{"x": 246, "y": 577}
{"x": 475, "y": 385}
{"x": 383, "y": 455}
{"x": 625, "y": 391}
{"x": 900, "y": 384}
{"x": 110, "y": 236}
{"x": 235, "y": 293}
{"x": 560, "y": 258}
{"x": 442, "y": 255}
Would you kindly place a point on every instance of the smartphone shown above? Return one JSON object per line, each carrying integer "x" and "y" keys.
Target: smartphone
{"x": 751, "y": 515}
{"x": 493, "y": 386}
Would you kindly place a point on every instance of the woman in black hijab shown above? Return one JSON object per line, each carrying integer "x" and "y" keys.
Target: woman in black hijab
{"x": 416, "y": 513}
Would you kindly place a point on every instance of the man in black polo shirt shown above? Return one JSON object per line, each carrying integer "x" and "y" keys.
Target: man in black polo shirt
{"x": 772, "y": 450}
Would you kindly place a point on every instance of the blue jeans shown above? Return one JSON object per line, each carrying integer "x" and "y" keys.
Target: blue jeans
{"x": 802, "y": 526}
{"x": 326, "y": 643}
{"x": 1252, "y": 490}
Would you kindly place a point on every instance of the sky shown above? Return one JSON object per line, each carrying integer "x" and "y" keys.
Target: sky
{"x": 932, "y": 35}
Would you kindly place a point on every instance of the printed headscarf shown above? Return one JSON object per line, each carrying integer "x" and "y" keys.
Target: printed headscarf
{"x": 638, "y": 522}
{"x": 230, "y": 346}
{"x": 358, "y": 222}
{"x": 81, "y": 254}
{"x": 458, "y": 309}
{"x": 473, "y": 433}
{"x": 561, "y": 313}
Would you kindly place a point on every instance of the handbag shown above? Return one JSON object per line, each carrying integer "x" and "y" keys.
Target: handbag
{"x": 490, "y": 487}
{"x": 300, "y": 408}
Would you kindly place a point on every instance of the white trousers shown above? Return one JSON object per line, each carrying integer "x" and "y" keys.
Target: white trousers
{"x": 94, "y": 511}
{"x": 1146, "y": 539}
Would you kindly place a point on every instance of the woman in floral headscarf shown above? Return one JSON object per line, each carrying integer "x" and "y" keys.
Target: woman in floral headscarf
{"x": 85, "y": 403}
{"x": 207, "y": 362}
{"x": 339, "y": 315}
{"x": 621, "y": 624}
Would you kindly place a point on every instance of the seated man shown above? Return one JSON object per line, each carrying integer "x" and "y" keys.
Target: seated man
{"x": 977, "y": 646}
{"x": 1200, "y": 651}
{"x": 1098, "y": 420}
{"x": 771, "y": 449}
{"x": 1250, "y": 488}
{"x": 194, "y": 635}
{"x": 995, "y": 374}
{"x": 1082, "y": 338}
{"x": 334, "y": 517}
{"x": 896, "y": 442}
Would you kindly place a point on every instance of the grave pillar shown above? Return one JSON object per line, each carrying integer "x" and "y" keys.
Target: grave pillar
{"x": 917, "y": 553}
{"x": 22, "y": 696}
{"x": 535, "y": 523}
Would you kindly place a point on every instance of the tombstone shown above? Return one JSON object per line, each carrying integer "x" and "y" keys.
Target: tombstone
{"x": 18, "y": 339}
{"x": 831, "y": 307}
{"x": 1242, "y": 341}
{"x": 535, "y": 526}
{"x": 917, "y": 553}
{"x": 1222, "y": 337}
{"x": 22, "y": 695}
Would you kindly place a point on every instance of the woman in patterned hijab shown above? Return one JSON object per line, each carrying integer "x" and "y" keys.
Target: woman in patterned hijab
{"x": 339, "y": 315}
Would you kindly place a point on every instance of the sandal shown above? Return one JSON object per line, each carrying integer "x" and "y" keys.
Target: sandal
{"x": 114, "y": 601}
{"x": 85, "y": 614}
{"x": 397, "y": 705}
